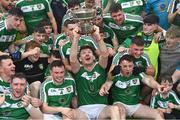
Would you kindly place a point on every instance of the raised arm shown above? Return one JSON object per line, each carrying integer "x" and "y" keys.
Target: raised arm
{"x": 75, "y": 65}
{"x": 151, "y": 82}
{"x": 103, "y": 58}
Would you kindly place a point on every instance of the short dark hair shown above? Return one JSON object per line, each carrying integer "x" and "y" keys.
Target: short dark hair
{"x": 19, "y": 75}
{"x": 164, "y": 78}
{"x": 44, "y": 22}
{"x": 38, "y": 29}
{"x": 55, "y": 53}
{"x": 115, "y": 7}
{"x": 70, "y": 21}
{"x": 73, "y": 3}
{"x": 87, "y": 47}
{"x": 56, "y": 63}
{"x": 151, "y": 18}
{"x": 138, "y": 40}
{"x": 16, "y": 12}
{"x": 127, "y": 57}
{"x": 4, "y": 57}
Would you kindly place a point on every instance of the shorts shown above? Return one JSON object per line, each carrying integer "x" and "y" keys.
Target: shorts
{"x": 92, "y": 111}
{"x": 51, "y": 117}
{"x": 131, "y": 109}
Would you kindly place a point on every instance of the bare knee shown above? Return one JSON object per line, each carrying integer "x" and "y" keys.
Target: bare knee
{"x": 112, "y": 109}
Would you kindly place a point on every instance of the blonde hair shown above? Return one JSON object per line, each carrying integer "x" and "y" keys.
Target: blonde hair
{"x": 173, "y": 32}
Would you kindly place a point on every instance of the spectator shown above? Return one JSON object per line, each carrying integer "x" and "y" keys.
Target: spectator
{"x": 159, "y": 8}
{"x": 166, "y": 102}
{"x": 174, "y": 12}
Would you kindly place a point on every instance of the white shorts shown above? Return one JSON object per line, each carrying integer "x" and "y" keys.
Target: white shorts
{"x": 92, "y": 111}
{"x": 51, "y": 117}
{"x": 131, "y": 109}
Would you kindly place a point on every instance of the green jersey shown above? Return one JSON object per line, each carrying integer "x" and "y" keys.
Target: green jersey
{"x": 45, "y": 49}
{"x": 34, "y": 12}
{"x": 159, "y": 102}
{"x": 65, "y": 49}
{"x": 13, "y": 109}
{"x": 6, "y": 36}
{"x": 58, "y": 95}
{"x": 143, "y": 61}
{"x": 4, "y": 86}
{"x": 131, "y": 25}
{"x": 109, "y": 34}
{"x": 132, "y": 6}
{"x": 88, "y": 84}
{"x": 60, "y": 37}
{"x": 126, "y": 89}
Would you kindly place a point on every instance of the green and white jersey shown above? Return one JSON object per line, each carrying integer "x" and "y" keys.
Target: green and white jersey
{"x": 65, "y": 49}
{"x": 131, "y": 25}
{"x": 4, "y": 86}
{"x": 60, "y": 37}
{"x": 49, "y": 41}
{"x": 132, "y": 6}
{"x": 159, "y": 102}
{"x": 6, "y": 36}
{"x": 126, "y": 89}
{"x": 109, "y": 34}
{"x": 34, "y": 12}
{"x": 45, "y": 49}
{"x": 58, "y": 95}
{"x": 143, "y": 61}
{"x": 13, "y": 109}
{"x": 88, "y": 84}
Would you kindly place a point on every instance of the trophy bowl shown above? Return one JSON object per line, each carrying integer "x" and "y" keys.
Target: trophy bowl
{"x": 83, "y": 14}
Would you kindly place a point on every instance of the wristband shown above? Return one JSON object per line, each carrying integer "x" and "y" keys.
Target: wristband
{"x": 28, "y": 108}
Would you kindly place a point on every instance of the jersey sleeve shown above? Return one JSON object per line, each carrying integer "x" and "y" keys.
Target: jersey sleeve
{"x": 43, "y": 94}
{"x": 175, "y": 98}
{"x": 153, "y": 103}
{"x": 47, "y": 6}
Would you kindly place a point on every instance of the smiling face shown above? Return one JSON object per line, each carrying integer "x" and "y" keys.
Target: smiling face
{"x": 118, "y": 17}
{"x": 7, "y": 67}
{"x": 18, "y": 86}
{"x": 136, "y": 51}
{"x": 126, "y": 68}
{"x": 14, "y": 21}
{"x": 35, "y": 57}
{"x": 57, "y": 74}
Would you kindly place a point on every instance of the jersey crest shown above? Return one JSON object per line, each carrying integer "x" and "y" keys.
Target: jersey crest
{"x": 90, "y": 77}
